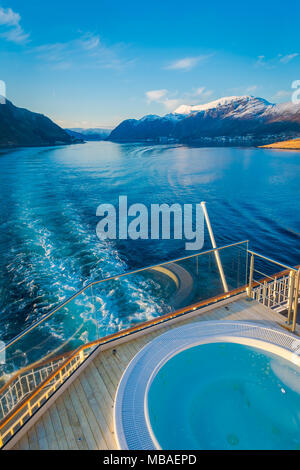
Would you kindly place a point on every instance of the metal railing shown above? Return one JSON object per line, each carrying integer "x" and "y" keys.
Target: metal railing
{"x": 278, "y": 292}
{"x": 274, "y": 294}
{"x": 78, "y": 343}
{"x": 23, "y": 384}
{"x": 40, "y": 394}
{"x": 117, "y": 277}
{"x": 168, "y": 288}
{"x": 22, "y": 345}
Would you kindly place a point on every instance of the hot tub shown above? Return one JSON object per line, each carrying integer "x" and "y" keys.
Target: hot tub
{"x": 212, "y": 385}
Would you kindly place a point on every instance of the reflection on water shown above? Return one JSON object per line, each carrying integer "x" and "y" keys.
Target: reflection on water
{"x": 48, "y": 243}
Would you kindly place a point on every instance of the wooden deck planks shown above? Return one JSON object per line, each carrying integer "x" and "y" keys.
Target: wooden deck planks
{"x": 68, "y": 430}
{"x": 58, "y": 427}
{"x": 82, "y": 417}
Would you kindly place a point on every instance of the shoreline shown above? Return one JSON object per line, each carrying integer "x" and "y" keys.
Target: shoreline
{"x": 293, "y": 144}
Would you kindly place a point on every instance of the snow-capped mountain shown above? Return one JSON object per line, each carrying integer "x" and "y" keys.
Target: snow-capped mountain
{"x": 230, "y": 120}
{"x": 188, "y": 109}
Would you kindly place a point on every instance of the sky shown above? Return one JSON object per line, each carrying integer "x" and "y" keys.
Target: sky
{"x": 97, "y": 62}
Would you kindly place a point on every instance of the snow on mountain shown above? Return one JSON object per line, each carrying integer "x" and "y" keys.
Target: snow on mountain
{"x": 285, "y": 108}
{"x": 149, "y": 117}
{"x": 188, "y": 109}
{"x": 233, "y": 119}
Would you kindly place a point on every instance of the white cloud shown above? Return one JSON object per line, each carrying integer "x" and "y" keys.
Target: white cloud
{"x": 16, "y": 35}
{"x": 287, "y": 58}
{"x": 9, "y": 17}
{"x": 251, "y": 89}
{"x": 171, "y": 104}
{"x": 202, "y": 91}
{"x": 260, "y": 61}
{"x": 155, "y": 95}
{"x": 10, "y": 25}
{"x": 282, "y": 94}
{"x": 269, "y": 63}
{"x": 86, "y": 51}
{"x": 89, "y": 42}
{"x": 242, "y": 90}
{"x": 187, "y": 63}
{"x": 171, "y": 100}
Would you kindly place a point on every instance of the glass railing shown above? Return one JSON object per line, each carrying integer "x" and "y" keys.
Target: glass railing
{"x": 114, "y": 304}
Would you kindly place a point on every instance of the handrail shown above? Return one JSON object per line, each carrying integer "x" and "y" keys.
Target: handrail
{"x": 57, "y": 377}
{"x": 67, "y": 354}
{"x": 24, "y": 384}
{"x": 118, "y": 335}
{"x": 293, "y": 287}
{"x": 129, "y": 331}
{"x": 33, "y": 365}
{"x": 115, "y": 277}
{"x": 138, "y": 327}
{"x": 272, "y": 260}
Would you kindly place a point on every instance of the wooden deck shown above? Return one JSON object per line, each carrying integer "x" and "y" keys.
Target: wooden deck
{"x": 82, "y": 416}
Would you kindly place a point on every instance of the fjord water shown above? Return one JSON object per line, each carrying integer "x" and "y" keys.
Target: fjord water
{"x": 49, "y": 196}
{"x": 228, "y": 396}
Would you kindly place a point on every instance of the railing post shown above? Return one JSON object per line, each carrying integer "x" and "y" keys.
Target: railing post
{"x": 251, "y": 276}
{"x": 275, "y": 293}
{"x": 264, "y": 292}
{"x": 290, "y": 295}
{"x": 213, "y": 242}
{"x": 81, "y": 355}
{"x": 296, "y": 300}
{"x": 29, "y": 408}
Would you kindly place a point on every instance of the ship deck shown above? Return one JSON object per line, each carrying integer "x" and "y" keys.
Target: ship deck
{"x": 81, "y": 416}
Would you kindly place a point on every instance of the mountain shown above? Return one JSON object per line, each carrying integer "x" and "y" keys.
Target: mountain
{"x": 89, "y": 134}
{"x": 233, "y": 120}
{"x": 22, "y": 128}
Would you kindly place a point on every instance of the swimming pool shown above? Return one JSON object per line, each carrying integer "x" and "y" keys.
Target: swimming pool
{"x": 212, "y": 385}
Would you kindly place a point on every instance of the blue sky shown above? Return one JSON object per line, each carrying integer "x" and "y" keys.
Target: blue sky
{"x": 97, "y": 62}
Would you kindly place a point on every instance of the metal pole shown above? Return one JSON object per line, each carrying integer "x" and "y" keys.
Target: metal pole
{"x": 213, "y": 242}
{"x": 251, "y": 276}
{"x": 246, "y": 274}
{"x": 290, "y": 295}
{"x": 296, "y": 300}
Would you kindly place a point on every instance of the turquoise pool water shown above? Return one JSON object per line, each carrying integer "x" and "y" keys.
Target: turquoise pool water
{"x": 226, "y": 396}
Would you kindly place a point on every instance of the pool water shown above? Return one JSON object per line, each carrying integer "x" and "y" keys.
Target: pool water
{"x": 226, "y": 396}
